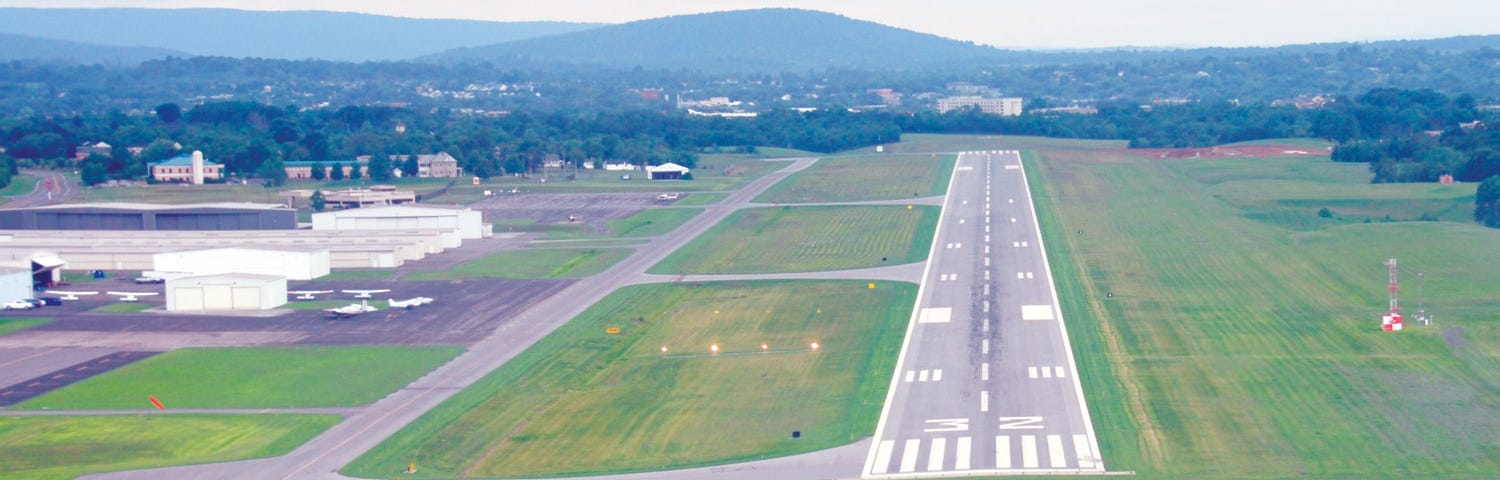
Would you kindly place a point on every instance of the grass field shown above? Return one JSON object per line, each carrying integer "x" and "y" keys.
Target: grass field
{"x": 807, "y": 239}
{"x": 646, "y": 223}
{"x": 853, "y": 179}
{"x": 928, "y": 143}
{"x": 16, "y": 324}
{"x": 712, "y": 174}
{"x": 270, "y": 377}
{"x": 124, "y": 307}
{"x": 58, "y": 448}
{"x": 1241, "y": 344}
{"x": 585, "y": 401}
{"x": 20, "y": 184}
{"x": 532, "y": 263}
{"x": 699, "y": 199}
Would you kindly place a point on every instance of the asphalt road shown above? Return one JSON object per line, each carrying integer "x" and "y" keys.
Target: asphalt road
{"x": 51, "y": 187}
{"x": 321, "y": 457}
{"x": 986, "y": 383}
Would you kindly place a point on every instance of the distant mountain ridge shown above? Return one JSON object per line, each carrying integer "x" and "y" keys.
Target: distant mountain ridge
{"x": 763, "y": 39}
{"x": 23, "y": 47}
{"x": 294, "y": 35}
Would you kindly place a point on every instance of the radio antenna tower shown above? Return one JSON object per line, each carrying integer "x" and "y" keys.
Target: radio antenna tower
{"x": 1391, "y": 321}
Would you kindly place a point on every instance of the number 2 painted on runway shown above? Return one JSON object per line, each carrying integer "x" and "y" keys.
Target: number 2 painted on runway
{"x": 1020, "y": 423}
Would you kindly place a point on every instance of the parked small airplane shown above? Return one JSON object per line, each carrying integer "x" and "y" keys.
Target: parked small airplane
{"x": 308, "y": 294}
{"x": 70, "y": 296}
{"x": 130, "y": 296}
{"x": 365, "y": 293}
{"x": 409, "y": 303}
{"x": 350, "y": 310}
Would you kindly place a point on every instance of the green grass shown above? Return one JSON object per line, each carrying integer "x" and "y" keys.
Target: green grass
{"x": 807, "y": 239}
{"x": 582, "y": 401}
{"x": 57, "y": 448}
{"x": 853, "y": 179}
{"x": 532, "y": 263}
{"x": 20, "y": 184}
{"x": 646, "y": 223}
{"x": 11, "y": 325}
{"x": 269, "y": 377}
{"x": 359, "y": 274}
{"x": 700, "y": 199}
{"x": 930, "y": 143}
{"x": 712, "y": 174}
{"x": 125, "y": 307}
{"x": 1236, "y": 347}
{"x": 1315, "y": 143}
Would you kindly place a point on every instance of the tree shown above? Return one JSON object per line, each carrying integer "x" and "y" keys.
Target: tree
{"x": 272, "y": 171}
{"x": 338, "y": 171}
{"x": 1487, "y": 202}
{"x": 354, "y": 173}
{"x": 410, "y": 166}
{"x": 318, "y": 202}
{"x": 168, "y": 112}
{"x": 380, "y": 167}
{"x": 319, "y": 171}
{"x": 93, "y": 173}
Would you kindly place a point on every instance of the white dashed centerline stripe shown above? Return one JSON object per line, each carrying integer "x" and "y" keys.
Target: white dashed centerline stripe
{"x": 935, "y": 456}
{"x": 909, "y": 455}
{"x": 984, "y": 371}
{"x": 985, "y": 346}
{"x": 984, "y": 401}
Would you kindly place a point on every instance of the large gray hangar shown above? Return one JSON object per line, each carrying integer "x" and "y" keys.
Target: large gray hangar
{"x": 143, "y": 216}
{"x": 228, "y": 292}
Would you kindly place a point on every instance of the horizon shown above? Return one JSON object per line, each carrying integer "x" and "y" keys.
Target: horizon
{"x": 1170, "y": 24}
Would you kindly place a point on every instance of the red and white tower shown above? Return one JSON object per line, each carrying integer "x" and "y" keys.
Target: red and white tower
{"x": 1391, "y": 321}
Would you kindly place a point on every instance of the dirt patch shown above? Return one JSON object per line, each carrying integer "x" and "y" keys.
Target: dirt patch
{"x": 1227, "y": 152}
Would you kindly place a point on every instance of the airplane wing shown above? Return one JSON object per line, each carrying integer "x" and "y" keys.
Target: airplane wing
{"x": 133, "y": 294}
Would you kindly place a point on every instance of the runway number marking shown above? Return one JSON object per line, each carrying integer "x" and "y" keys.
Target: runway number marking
{"x": 1020, "y": 423}
{"x": 950, "y": 425}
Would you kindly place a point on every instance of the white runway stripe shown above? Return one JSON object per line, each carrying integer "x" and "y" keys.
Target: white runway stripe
{"x": 1030, "y": 372}
{"x": 984, "y": 401}
{"x": 909, "y": 456}
{"x": 937, "y": 375}
{"x": 1082, "y": 451}
{"x": 911, "y": 375}
{"x": 1057, "y": 458}
{"x": 1028, "y": 452}
{"x": 935, "y": 455}
{"x": 1002, "y": 451}
{"x": 984, "y": 371}
{"x": 961, "y": 454}
{"x": 883, "y": 457}
{"x": 1057, "y": 372}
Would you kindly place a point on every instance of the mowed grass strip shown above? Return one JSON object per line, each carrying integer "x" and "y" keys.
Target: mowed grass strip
{"x": 807, "y": 239}
{"x": 125, "y": 307}
{"x": 863, "y": 178}
{"x": 56, "y": 448}
{"x": 11, "y": 325}
{"x": 584, "y": 401}
{"x": 926, "y": 143}
{"x": 532, "y": 264}
{"x": 1238, "y": 348}
{"x": 271, "y": 377}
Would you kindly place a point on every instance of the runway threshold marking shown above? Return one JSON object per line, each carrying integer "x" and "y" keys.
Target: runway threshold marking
{"x": 961, "y": 454}
{"x": 935, "y": 455}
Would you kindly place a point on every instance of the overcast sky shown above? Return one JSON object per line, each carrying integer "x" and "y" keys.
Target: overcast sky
{"x": 1002, "y": 23}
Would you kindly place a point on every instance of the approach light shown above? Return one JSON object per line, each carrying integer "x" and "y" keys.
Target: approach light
{"x": 714, "y": 348}
{"x": 664, "y": 349}
{"x": 815, "y": 346}
{"x": 764, "y": 347}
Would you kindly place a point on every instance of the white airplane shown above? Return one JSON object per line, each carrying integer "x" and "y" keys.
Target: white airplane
{"x": 130, "y": 296}
{"x": 351, "y": 309}
{"x": 365, "y": 293}
{"x": 70, "y": 296}
{"x": 308, "y": 294}
{"x": 409, "y": 303}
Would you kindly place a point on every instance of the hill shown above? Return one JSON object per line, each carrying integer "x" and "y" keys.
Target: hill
{"x": 282, "y": 35}
{"x": 22, "y": 47}
{"x": 745, "y": 40}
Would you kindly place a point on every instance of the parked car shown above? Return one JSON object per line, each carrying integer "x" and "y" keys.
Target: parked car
{"x": 146, "y": 280}
{"x": 35, "y": 302}
{"x": 51, "y": 301}
{"x": 17, "y": 305}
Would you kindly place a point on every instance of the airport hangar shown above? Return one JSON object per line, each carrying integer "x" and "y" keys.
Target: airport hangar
{"x": 387, "y": 237}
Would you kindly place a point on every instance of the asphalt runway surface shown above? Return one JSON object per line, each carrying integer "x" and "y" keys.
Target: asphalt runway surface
{"x": 986, "y": 383}
{"x": 31, "y": 388}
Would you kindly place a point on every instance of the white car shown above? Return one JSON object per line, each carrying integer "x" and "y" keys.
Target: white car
{"x": 18, "y": 305}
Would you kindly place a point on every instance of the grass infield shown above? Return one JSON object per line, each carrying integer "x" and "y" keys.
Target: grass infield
{"x": 48, "y": 448}
{"x": 1238, "y": 344}
{"x": 585, "y": 401}
{"x": 270, "y": 377}
{"x": 876, "y": 177}
{"x": 16, "y": 324}
{"x": 532, "y": 263}
{"x": 806, "y": 239}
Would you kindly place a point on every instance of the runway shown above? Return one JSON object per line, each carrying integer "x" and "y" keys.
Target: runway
{"x": 986, "y": 383}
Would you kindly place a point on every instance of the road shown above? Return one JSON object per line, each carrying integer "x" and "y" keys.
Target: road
{"x": 321, "y": 457}
{"x": 51, "y": 187}
{"x": 986, "y": 383}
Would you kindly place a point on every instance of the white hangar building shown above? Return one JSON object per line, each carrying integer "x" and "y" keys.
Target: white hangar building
{"x": 237, "y": 291}
{"x": 290, "y": 263}
{"x": 454, "y": 224}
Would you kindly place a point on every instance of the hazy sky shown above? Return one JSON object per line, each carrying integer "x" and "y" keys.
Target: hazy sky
{"x": 1003, "y": 23}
